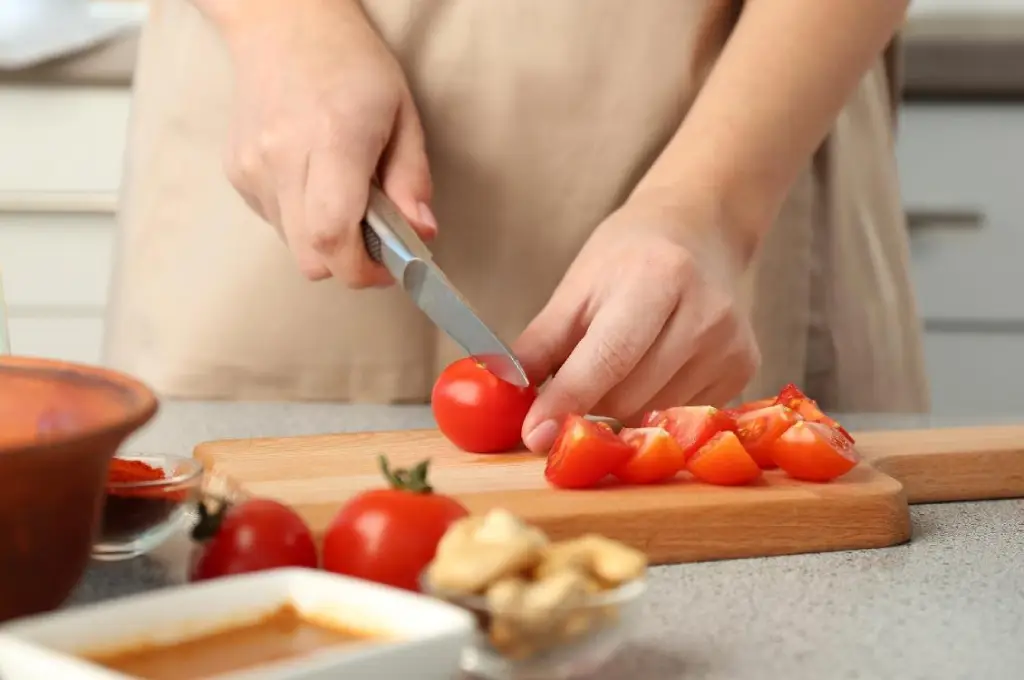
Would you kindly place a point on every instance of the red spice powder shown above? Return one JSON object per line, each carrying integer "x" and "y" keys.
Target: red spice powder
{"x": 130, "y": 511}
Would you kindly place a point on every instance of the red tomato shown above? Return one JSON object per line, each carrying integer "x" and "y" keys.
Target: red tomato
{"x": 391, "y": 535}
{"x": 657, "y": 457}
{"x": 759, "y": 430}
{"x": 478, "y": 411}
{"x": 584, "y": 453}
{"x": 737, "y": 411}
{"x": 814, "y": 452}
{"x": 256, "y": 535}
{"x": 808, "y": 409}
{"x": 692, "y": 426}
{"x": 724, "y": 461}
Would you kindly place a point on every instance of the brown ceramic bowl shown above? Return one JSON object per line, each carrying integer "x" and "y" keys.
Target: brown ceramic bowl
{"x": 60, "y": 424}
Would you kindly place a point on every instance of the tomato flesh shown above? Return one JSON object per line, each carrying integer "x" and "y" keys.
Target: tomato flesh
{"x": 389, "y": 535}
{"x": 723, "y": 461}
{"x": 737, "y": 411}
{"x": 478, "y": 411}
{"x": 759, "y": 430}
{"x": 814, "y": 452}
{"x": 256, "y": 535}
{"x": 691, "y": 426}
{"x": 584, "y": 453}
{"x": 808, "y": 409}
{"x": 657, "y": 456}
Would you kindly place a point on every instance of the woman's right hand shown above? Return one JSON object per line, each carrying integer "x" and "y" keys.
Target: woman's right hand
{"x": 321, "y": 108}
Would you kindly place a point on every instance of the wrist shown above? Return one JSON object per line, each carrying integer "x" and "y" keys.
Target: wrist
{"x": 245, "y": 22}
{"x": 738, "y": 215}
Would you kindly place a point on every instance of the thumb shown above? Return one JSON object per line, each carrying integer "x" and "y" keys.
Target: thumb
{"x": 405, "y": 172}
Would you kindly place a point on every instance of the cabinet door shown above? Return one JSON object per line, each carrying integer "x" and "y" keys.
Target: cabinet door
{"x": 963, "y": 188}
{"x": 62, "y": 139}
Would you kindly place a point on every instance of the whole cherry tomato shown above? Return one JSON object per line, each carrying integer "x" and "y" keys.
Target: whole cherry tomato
{"x": 390, "y": 535}
{"x": 255, "y": 535}
{"x": 478, "y": 411}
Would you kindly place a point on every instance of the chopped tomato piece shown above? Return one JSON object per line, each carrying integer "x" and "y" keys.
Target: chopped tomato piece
{"x": 584, "y": 453}
{"x": 759, "y": 430}
{"x": 657, "y": 457}
{"x": 814, "y": 452}
{"x": 737, "y": 411}
{"x": 724, "y": 461}
{"x": 808, "y": 409}
{"x": 692, "y": 426}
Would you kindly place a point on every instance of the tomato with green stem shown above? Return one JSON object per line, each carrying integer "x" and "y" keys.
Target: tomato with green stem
{"x": 390, "y": 535}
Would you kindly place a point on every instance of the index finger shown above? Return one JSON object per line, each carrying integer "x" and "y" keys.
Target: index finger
{"x": 619, "y": 336}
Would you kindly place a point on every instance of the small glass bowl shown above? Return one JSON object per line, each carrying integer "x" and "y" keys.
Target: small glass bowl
{"x": 569, "y": 642}
{"x": 139, "y": 516}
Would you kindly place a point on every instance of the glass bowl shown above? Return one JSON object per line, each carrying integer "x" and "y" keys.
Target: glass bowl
{"x": 566, "y": 642}
{"x": 140, "y": 515}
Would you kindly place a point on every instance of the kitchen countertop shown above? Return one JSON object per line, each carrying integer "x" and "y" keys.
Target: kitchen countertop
{"x": 947, "y": 606}
{"x": 958, "y": 55}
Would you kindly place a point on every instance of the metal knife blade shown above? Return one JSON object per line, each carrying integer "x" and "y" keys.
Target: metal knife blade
{"x": 391, "y": 241}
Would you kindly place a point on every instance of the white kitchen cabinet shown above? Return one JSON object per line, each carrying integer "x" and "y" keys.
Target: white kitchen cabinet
{"x": 63, "y": 151}
{"x": 960, "y": 168}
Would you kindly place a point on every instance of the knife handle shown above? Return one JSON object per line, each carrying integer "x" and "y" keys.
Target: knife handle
{"x": 371, "y": 241}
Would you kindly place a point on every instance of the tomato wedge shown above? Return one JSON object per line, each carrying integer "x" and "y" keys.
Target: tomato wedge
{"x": 584, "y": 453}
{"x": 657, "y": 457}
{"x": 793, "y": 397}
{"x": 724, "y": 461}
{"x": 759, "y": 430}
{"x": 814, "y": 452}
{"x": 737, "y": 411}
{"x": 691, "y": 426}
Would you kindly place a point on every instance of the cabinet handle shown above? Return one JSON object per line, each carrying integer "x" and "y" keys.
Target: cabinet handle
{"x": 947, "y": 218}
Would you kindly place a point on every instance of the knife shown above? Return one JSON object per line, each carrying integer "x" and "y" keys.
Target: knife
{"x": 392, "y": 242}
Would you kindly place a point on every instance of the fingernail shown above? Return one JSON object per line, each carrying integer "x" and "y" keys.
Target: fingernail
{"x": 540, "y": 438}
{"x": 427, "y": 219}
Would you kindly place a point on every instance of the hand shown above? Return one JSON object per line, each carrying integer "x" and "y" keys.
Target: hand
{"x": 645, "y": 318}
{"x": 321, "y": 107}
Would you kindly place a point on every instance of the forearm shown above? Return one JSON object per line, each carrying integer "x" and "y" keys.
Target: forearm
{"x": 777, "y": 88}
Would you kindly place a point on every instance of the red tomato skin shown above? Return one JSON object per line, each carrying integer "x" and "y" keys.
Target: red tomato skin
{"x": 759, "y": 430}
{"x": 657, "y": 456}
{"x": 723, "y": 461}
{"x": 256, "y": 535}
{"x": 388, "y": 535}
{"x": 808, "y": 409}
{"x": 584, "y": 453}
{"x": 692, "y": 426}
{"x": 478, "y": 411}
{"x": 814, "y": 452}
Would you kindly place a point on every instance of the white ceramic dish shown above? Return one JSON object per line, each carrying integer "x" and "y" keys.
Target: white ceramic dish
{"x": 429, "y": 635}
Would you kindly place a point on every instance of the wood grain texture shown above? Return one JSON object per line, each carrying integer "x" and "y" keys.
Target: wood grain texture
{"x": 956, "y": 464}
{"x": 680, "y": 522}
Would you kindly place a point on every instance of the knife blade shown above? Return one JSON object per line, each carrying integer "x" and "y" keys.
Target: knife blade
{"x": 391, "y": 241}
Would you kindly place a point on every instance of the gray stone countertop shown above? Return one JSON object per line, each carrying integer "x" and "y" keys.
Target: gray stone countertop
{"x": 947, "y": 606}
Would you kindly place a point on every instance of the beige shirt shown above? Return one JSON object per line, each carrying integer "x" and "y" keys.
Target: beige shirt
{"x": 540, "y": 117}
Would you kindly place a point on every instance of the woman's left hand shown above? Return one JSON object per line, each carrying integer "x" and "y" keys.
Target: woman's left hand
{"x": 646, "y": 317}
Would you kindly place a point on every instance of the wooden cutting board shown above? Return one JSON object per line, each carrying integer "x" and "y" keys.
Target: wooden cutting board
{"x": 680, "y": 522}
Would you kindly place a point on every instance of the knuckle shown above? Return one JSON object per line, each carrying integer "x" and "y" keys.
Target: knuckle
{"x": 613, "y": 356}
{"x": 325, "y": 238}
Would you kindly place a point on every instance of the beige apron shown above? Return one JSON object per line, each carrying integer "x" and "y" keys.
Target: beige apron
{"x": 540, "y": 117}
